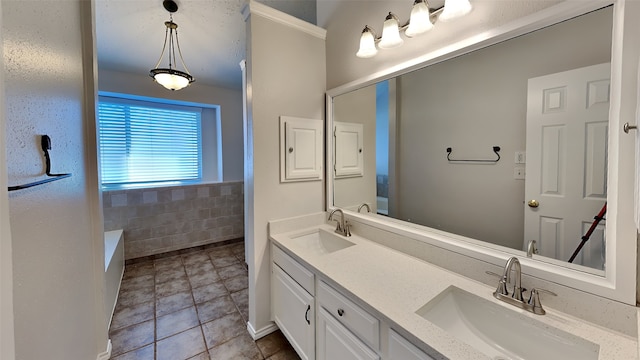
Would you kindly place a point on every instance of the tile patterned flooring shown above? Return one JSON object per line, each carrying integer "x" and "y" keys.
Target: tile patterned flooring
{"x": 190, "y": 306}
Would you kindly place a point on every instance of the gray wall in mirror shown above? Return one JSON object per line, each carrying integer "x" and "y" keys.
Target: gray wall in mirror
{"x": 470, "y": 103}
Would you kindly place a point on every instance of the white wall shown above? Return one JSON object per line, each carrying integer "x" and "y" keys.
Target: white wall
{"x": 56, "y": 229}
{"x": 7, "y": 346}
{"x": 344, "y": 21}
{"x": 285, "y": 76}
{"x": 230, "y": 102}
{"x": 472, "y": 103}
{"x": 358, "y": 107}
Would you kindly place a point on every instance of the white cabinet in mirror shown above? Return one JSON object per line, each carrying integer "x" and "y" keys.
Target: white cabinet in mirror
{"x": 552, "y": 86}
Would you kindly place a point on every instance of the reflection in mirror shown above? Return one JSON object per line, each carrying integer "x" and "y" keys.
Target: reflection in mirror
{"x": 543, "y": 98}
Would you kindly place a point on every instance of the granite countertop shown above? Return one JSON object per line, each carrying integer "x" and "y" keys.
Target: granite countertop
{"x": 396, "y": 285}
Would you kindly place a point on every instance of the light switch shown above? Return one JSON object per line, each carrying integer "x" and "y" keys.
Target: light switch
{"x": 518, "y": 173}
{"x": 520, "y": 157}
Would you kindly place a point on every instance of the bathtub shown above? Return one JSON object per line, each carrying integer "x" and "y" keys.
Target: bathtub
{"x": 113, "y": 269}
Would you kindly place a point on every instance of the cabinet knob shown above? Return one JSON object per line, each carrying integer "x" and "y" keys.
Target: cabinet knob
{"x": 340, "y": 312}
{"x": 290, "y": 150}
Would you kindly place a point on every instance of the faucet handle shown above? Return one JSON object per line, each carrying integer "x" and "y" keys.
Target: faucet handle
{"x": 534, "y": 300}
{"x": 347, "y": 228}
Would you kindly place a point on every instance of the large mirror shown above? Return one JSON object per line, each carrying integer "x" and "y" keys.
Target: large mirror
{"x": 503, "y": 145}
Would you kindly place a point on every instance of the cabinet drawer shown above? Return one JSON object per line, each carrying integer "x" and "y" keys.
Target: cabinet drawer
{"x": 365, "y": 326}
{"x": 301, "y": 275}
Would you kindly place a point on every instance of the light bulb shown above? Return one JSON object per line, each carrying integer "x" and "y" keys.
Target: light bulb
{"x": 390, "y": 33}
{"x": 420, "y": 21}
{"x": 454, "y": 9}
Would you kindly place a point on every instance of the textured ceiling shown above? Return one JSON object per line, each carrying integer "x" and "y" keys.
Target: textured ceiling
{"x": 130, "y": 35}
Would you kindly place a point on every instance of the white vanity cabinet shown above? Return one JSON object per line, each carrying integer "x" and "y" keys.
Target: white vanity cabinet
{"x": 323, "y": 323}
{"x": 293, "y": 306}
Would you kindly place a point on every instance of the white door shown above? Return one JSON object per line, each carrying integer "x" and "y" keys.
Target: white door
{"x": 335, "y": 342}
{"x": 293, "y": 311}
{"x": 566, "y": 170}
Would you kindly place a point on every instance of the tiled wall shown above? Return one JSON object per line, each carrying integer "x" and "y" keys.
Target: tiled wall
{"x": 164, "y": 219}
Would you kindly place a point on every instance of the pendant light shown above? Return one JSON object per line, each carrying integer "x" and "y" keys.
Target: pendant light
{"x": 170, "y": 77}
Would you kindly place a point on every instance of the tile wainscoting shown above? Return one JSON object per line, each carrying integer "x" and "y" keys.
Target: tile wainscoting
{"x": 158, "y": 220}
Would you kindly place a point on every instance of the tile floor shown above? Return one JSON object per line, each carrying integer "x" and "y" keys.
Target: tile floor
{"x": 189, "y": 306}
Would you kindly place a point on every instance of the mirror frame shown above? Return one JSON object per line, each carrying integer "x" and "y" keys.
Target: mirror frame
{"x": 619, "y": 282}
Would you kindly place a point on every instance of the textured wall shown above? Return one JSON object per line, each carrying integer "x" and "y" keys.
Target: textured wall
{"x": 164, "y": 219}
{"x": 56, "y": 229}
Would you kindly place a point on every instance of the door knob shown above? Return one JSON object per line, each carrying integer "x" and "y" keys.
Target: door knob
{"x": 533, "y": 203}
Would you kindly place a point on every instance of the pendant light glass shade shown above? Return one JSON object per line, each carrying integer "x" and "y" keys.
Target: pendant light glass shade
{"x": 454, "y": 9}
{"x": 170, "y": 77}
{"x": 420, "y": 20}
{"x": 367, "y": 44}
{"x": 390, "y": 33}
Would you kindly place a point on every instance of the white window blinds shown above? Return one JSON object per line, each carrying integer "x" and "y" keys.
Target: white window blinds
{"x": 143, "y": 142}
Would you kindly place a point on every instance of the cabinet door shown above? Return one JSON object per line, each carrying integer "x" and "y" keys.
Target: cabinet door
{"x": 349, "y": 156}
{"x": 293, "y": 311}
{"x": 302, "y": 143}
{"x": 400, "y": 348}
{"x": 336, "y": 342}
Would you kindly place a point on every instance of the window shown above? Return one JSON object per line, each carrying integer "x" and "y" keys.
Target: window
{"x": 145, "y": 142}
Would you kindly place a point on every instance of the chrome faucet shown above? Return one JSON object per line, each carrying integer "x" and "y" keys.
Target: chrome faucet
{"x": 531, "y": 248}
{"x": 342, "y": 226}
{"x": 502, "y": 293}
{"x": 506, "y": 277}
{"x": 364, "y": 205}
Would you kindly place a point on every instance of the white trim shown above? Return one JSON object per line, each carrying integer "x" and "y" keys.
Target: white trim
{"x": 107, "y": 354}
{"x": 619, "y": 282}
{"x": 258, "y": 334}
{"x": 255, "y": 8}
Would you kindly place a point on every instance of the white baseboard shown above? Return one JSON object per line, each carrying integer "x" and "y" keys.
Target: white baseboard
{"x": 257, "y": 334}
{"x": 107, "y": 354}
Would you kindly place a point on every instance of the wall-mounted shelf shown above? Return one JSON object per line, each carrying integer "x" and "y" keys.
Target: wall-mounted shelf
{"x": 496, "y": 150}
{"x": 45, "y": 142}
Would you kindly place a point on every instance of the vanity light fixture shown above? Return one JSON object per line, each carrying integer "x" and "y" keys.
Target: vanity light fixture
{"x": 171, "y": 78}
{"x": 421, "y": 20}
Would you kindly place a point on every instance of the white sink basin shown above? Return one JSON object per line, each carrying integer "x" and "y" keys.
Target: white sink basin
{"x": 322, "y": 241}
{"x": 501, "y": 333}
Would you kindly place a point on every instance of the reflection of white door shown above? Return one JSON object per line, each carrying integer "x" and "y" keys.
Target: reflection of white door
{"x": 349, "y": 139}
{"x": 566, "y": 171}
